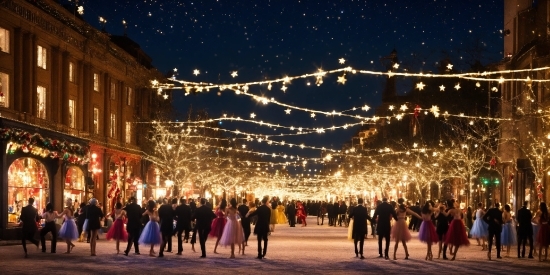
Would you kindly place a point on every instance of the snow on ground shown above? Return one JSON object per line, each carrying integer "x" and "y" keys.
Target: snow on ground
{"x": 313, "y": 250}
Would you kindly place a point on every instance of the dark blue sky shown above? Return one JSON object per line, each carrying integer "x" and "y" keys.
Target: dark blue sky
{"x": 269, "y": 39}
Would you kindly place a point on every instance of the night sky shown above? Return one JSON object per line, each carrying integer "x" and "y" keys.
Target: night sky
{"x": 267, "y": 39}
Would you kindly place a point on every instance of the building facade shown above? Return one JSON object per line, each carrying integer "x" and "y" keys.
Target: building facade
{"x": 69, "y": 99}
{"x": 523, "y": 154}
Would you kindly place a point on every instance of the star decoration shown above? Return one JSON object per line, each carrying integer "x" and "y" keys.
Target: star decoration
{"x": 457, "y": 86}
{"x": 342, "y": 79}
{"x": 253, "y": 115}
{"x": 391, "y": 107}
{"x": 175, "y": 70}
{"x": 434, "y": 109}
{"x": 390, "y": 74}
{"x": 165, "y": 96}
{"x": 395, "y": 66}
{"x": 441, "y": 88}
{"x": 365, "y": 108}
{"x": 341, "y": 61}
{"x": 284, "y": 88}
{"x": 312, "y": 115}
{"x": 501, "y": 80}
{"x": 234, "y": 74}
{"x": 420, "y": 86}
{"x": 403, "y": 108}
{"x": 196, "y": 72}
{"x": 399, "y": 116}
{"x": 80, "y": 10}
{"x": 287, "y": 111}
{"x": 449, "y": 66}
{"x": 286, "y": 79}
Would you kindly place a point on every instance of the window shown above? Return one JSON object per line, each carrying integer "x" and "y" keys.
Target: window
{"x": 72, "y": 122}
{"x": 96, "y": 82}
{"x": 96, "y": 121}
{"x": 128, "y": 132}
{"x": 71, "y": 72}
{"x": 112, "y": 128}
{"x": 41, "y": 102}
{"x": 42, "y": 57}
{"x": 129, "y": 94}
{"x": 4, "y": 90}
{"x": 113, "y": 90}
{"x": 4, "y": 40}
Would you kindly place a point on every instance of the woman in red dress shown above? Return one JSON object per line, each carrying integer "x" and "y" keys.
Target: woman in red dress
{"x": 218, "y": 223}
{"x": 544, "y": 230}
{"x": 301, "y": 213}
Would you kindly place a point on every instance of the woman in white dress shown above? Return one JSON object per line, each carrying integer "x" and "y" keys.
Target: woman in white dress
{"x": 233, "y": 231}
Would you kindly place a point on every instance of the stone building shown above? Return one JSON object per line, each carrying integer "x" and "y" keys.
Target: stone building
{"x": 69, "y": 97}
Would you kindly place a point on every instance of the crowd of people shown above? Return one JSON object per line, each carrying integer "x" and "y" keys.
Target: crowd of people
{"x": 155, "y": 224}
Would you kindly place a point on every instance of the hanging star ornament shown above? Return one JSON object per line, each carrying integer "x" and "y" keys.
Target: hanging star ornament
{"x": 341, "y": 61}
{"x": 313, "y": 115}
{"x": 457, "y": 86}
{"x": 403, "y": 107}
{"x": 287, "y": 111}
{"x": 420, "y": 86}
{"x": 253, "y": 115}
{"x": 449, "y": 66}
{"x": 342, "y": 79}
{"x": 441, "y": 88}
{"x": 284, "y": 88}
{"x": 234, "y": 74}
{"x": 395, "y": 66}
{"x": 196, "y": 72}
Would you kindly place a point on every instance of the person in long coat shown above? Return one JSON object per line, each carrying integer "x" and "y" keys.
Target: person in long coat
{"x": 383, "y": 216}
{"x": 262, "y": 226}
{"x": 29, "y": 216}
{"x": 360, "y": 216}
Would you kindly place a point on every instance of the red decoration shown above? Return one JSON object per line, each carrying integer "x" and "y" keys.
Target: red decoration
{"x": 493, "y": 162}
{"x": 417, "y": 110}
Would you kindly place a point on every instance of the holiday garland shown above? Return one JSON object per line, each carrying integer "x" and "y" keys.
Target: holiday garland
{"x": 44, "y": 147}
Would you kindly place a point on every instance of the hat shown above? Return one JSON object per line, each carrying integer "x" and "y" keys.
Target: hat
{"x": 93, "y": 201}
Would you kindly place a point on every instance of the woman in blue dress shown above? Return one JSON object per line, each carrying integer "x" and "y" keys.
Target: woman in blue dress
{"x": 69, "y": 230}
{"x": 508, "y": 236}
{"x": 480, "y": 229}
{"x": 151, "y": 232}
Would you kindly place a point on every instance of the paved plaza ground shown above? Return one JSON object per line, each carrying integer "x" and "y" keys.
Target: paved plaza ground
{"x": 301, "y": 250}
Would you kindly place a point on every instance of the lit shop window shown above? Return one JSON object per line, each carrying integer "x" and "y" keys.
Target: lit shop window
{"x": 96, "y": 121}
{"x": 128, "y": 132}
{"x": 27, "y": 178}
{"x": 4, "y": 40}
{"x": 42, "y": 57}
{"x": 41, "y": 102}
{"x": 71, "y": 72}
{"x": 4, "y": 89}
{"x": 112, "y": 127}
{"x": 96, "y": 82}
{"x": 72, "y": 110}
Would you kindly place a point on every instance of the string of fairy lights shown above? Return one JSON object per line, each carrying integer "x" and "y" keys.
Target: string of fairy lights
{"x": 344, "y": 170}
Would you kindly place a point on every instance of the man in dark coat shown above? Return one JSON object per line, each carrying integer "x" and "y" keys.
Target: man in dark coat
{"x": 28, "y": 218}
{"x": 166, "y": 216}
{"x": 342, "y": 210}
{"x": 383, "y": 215}
{"x": 415, "y": 222}
{"x": 291, "y": 213}
{"x": 133, "y": 225}
{"x": 245, "y": 222}
{"x": 262, "y": 226}
{"x": 360, "y": 216}
{"x": 183, "y": 214}
{"x": 203, "y": 217}
{"x": 525, "y": 230}
{"x": 493, "y": 217}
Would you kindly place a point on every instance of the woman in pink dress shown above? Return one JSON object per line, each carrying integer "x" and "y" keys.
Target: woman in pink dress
{"x": 542, "y": 218}
{"x": 218, "y": 223}
{"x": 233, "y": 231}
{"x": 400, "y": 231}
{"x": 117, "y": 231}
{"x": 427, "y": 233}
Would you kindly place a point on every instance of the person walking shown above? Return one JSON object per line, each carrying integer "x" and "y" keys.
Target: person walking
{"x": 525, "y": 230}
{"x": 233, "y": 231}
{"x": 383, "y": 216}
{"x": 359, "y": 228}
{"x": 203, "y": 219}
{"x": 117, "y": 231}
{"x": 94, "y": 216}
{"x": 166, "y": 216}
{"x": 480, "y": 229}
{"x": 245, "y": 222}
{"x": 493, "y": 217}
{"x": 262, "y": 226}
{"x": 183, "y": 226}
{"x": 133, "y": 225}
{"x": 29, "y": 217}
{"x": 49, "y": 217}
{"x": 69, "y": 230}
